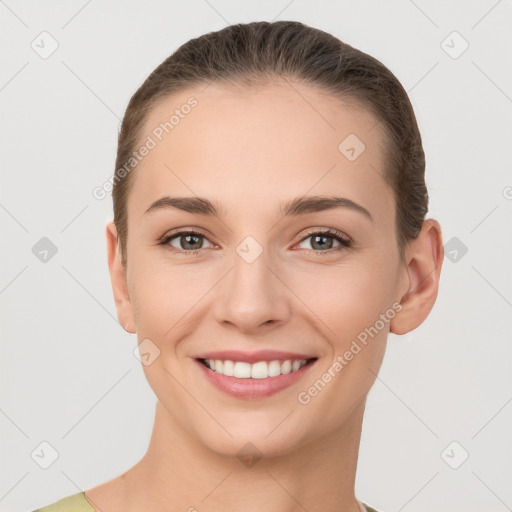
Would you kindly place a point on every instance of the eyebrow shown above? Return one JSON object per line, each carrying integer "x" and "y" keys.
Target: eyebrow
{"x": 298, "y": 206}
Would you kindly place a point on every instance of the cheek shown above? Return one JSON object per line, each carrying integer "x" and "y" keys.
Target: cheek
{"x": 346, "y": 299}
{"x": 359, "y": 306}
{"x": 355, "y": 318}
{"x": 165, "y": 296}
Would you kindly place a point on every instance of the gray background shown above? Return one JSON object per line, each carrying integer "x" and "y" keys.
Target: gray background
{"x": 69, "y": 376}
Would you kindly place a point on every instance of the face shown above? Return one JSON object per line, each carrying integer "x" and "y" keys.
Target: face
{"x": 308, "y": 285}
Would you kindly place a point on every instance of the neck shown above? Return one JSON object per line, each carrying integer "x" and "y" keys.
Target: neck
{"x": 179, "y": 473}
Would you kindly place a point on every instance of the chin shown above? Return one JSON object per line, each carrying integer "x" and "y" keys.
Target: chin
{"x": 250, "y": 450}
{"x": 254, "y": 442}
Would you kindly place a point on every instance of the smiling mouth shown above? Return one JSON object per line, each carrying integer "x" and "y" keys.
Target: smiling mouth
{"x": 257, "y": 370}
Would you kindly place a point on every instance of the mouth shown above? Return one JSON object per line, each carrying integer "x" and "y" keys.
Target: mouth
{"x": 257, "y": 370}
{"x": 254, "y": 376}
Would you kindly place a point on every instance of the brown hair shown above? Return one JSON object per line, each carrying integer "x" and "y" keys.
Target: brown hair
{"x": 255, "y": 53}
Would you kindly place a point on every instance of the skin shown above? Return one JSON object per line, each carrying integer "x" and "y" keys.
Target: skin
{"x": 250, "y": 150}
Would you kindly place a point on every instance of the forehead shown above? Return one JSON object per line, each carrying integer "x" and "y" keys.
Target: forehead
{"x": 247, "y": 146}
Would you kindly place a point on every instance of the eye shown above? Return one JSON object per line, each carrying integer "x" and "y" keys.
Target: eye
{"x": 322, "y": 240}
{"x": 185, "y": 241}
{"x": 191, "y": 242}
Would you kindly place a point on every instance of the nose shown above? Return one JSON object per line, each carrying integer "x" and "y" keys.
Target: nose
{"x": 251, "y": 298}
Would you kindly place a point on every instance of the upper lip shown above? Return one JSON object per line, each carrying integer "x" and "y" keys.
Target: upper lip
{"x": 254, "y": 357}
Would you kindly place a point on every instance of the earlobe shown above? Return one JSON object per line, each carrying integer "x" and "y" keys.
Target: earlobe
{"x": 119, "y": 280}
{"x": 424, "y": 260}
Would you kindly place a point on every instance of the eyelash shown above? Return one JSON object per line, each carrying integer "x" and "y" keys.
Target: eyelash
{"x": 345, "y": 242}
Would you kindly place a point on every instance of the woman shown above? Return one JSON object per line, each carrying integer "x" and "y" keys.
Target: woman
{"x": 269, "y": 232}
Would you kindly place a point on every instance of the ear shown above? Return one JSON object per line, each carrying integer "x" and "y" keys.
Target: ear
{"x": 424, "y": 258}
{"x": 119, "y": 281}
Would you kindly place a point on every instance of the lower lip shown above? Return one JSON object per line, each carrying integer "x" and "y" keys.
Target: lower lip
{"x": 253, "y": 389}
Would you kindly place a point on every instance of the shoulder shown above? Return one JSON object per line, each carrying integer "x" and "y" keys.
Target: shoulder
{"x": 74, "y": 503}
{"x": 368, "y": 508}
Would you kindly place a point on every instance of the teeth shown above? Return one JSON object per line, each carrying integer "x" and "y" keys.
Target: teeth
{"x": 259, "y": 370}
{"x": 274, "y": 369}
{"x": 242, "y": 370}
{"x": 286, "y": 367}
{"x": 229, "y": 368}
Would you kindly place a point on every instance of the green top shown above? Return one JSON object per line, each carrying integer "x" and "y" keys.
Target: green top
{"x": 78, "y": 503}
{"x": 73, "y": 503}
